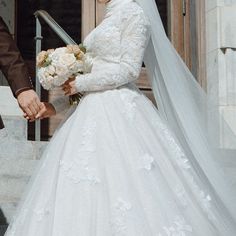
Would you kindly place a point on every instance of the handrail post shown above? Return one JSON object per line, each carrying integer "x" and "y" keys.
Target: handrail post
{"x": 38, "y": 40}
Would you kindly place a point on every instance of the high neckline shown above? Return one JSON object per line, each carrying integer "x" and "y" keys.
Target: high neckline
{"x": 115, "y": 5}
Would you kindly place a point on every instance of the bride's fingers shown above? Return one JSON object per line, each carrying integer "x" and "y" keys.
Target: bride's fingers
{"x": 64, "y": 85}
{"x": 41, "y": 112}
{"x": 66, "y": 88}
{"x": 73, "y": 89}
{"x": 68, "y": 92}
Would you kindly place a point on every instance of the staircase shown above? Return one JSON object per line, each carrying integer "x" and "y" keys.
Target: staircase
{"x": 18, "y": 156}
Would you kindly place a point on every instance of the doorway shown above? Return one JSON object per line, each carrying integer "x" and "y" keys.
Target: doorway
{"x": 68, "y": 14}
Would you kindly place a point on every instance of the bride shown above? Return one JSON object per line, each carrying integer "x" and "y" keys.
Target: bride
{"x": 119, "y": 166}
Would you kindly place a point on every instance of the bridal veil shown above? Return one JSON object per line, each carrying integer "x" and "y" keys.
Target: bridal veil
{"x": 191, "y": 114}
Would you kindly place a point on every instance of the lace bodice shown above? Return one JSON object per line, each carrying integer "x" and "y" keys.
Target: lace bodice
{"x": 116, "y": 47}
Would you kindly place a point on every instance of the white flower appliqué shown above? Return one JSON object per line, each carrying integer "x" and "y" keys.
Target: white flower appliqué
{"x": 182, "y": 161}
{"x": 41, "y": 213}
{"x": 145, "y": 161}
{"x": 119, "y": 214}
{"x": 80, "y": 171}
{"x": 88, "y": 132}
{"x": 130, "y": 106}
{"x": 178, "y": 228}
{"x": 81, "y": 168}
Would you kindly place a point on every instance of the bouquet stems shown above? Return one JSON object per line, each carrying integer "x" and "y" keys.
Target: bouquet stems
{"x": 75, "y": 99}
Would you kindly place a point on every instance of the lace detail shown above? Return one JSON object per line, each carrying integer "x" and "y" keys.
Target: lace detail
{"x": 129, "y": 104}
{"x": 119, "y": 43}
{"x": 16, "y": 222}
{"x": 178, "y": 228}
{"x": 183, "y": 162}
{"x": 87, "y": 134}
{"x": 80, "y": 171}
{"x": 181, "y": 194}
{"x": 80, "y": 167}
{"x": 145, "y": 161}
{"x": 119, "y": 214}
{"x": 41, "y": 213}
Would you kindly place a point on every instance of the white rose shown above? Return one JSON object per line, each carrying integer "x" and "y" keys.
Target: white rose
{"x": 45, "y": 79}
{"x": 67, "y": 59}
{"x": 62, "y": 74}
{"x": 61, "y": 50}
{"x": 51, "y": 69}
{"x": 78, "y": 66}
{"x": 59, "y": 81}
{"x": 61, "y": 70}
{"x": 54, "y": 56}
{"x": 41, "y": 75}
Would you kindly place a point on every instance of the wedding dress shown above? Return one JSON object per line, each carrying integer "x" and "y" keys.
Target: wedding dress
{"x": 114, "y": 167}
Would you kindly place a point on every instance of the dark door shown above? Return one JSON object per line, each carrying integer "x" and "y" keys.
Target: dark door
{"x": 68, "y": 14}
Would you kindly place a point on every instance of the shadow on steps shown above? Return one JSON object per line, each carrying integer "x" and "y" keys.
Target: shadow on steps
{"x": 3, "y": 223}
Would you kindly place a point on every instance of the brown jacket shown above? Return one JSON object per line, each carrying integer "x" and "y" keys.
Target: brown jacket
{"x": 12, "y": 64}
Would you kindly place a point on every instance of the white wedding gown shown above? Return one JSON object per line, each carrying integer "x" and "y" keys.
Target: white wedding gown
{"x": 114, "y": 167}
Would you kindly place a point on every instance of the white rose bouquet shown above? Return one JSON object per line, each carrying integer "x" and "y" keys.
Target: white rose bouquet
{"x": 56, "y": 66}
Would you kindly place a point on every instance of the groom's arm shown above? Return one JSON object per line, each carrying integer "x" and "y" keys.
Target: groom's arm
{"x": 16, "y": 73}
{"x": 11, "y": 62}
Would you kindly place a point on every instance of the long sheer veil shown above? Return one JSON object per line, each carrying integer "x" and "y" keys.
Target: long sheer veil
{"x": 191, "y": 114}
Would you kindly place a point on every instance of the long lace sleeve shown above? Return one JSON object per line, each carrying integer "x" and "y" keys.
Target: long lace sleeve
{"x": 135, "y": 33}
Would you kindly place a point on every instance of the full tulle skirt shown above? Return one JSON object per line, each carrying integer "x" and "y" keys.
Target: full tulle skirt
{"x": 115, "y": 168}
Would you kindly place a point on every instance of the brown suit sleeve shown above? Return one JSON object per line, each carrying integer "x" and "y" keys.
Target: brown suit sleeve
{"x": 11, "y": 62}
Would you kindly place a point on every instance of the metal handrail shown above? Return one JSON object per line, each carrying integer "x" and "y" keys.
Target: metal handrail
{"x": 65, "y": 38}
{"x": 54, "y": 26}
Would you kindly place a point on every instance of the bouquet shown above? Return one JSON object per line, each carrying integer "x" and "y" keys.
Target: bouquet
{"x": 56, "y": 66}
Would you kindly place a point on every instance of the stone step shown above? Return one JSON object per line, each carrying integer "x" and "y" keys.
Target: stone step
{"x": 3, "y": 229}
{"x": 18, "y": 150}
{"x": 18, "y": 160}
{"x": 230, "y": 171}
{"x": 8, "y": 210}
{"x": 17, "y": 168}
{"x": 16, "y": 127}
{"x": 15, "y": 124}
{"x": 228, "y": 158}
{"x": 11, "y": 188}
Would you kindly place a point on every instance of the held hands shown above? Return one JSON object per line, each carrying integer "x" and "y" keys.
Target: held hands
{"x": 34, "y": 109}
{"x": 29, "y": 103}
{"x": 46, "y": 110}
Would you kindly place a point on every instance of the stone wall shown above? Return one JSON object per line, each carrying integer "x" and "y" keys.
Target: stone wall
{"x": 221, "y": 59}
{"x": 18, "y": 156}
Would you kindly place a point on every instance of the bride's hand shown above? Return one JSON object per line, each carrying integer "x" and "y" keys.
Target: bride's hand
{"x": 69, "y": 87}
{"x": 46, "y": 111}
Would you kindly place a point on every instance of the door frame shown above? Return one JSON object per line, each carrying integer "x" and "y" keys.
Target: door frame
{"x": 187, "y": 32}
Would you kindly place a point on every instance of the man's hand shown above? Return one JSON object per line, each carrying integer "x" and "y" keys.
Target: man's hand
{"x": 47, "y": 110}
{"x": 29, "y": 102}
